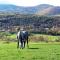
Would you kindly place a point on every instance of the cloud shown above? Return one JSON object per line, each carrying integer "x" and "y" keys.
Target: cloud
{"x": 4, "y": 2}
{"x": 25, "y": 2}
{"x": 30, "y": 2}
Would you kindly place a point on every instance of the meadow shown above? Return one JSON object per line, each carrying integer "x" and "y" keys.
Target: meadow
{"x": 38, "y": 50}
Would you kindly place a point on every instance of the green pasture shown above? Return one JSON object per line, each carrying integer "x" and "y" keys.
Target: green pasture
{"x": 36, "y": 51}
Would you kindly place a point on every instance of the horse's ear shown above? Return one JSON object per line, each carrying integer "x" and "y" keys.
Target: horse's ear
{"x": 18, "y": 29}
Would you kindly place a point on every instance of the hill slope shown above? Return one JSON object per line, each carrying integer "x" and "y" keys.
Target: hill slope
{"x": 49, "y": 11}
{"x": 43, "y": 9}
{"x": 23, "y": 10}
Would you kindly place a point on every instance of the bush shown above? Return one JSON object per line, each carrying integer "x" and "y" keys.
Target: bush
{"x": 38, "y": 38}
{"x": 57, "y": 40}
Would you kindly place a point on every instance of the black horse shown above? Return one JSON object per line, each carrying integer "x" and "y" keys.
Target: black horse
{"x": 22, "y": 37}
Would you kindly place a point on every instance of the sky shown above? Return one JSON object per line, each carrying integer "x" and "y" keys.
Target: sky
{"x": 30, "y": 2}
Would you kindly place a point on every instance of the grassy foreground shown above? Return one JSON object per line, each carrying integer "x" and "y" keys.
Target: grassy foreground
{"x": 36, "y": 51}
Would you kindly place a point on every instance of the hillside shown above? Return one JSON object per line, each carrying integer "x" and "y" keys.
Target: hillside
{"x": 43, "y": 9}
{"x": 22, "y": 10}
{"x": 43, "y": 24}
{"x": 49, "y": 11}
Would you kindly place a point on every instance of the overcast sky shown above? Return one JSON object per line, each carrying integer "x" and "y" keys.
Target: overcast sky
{"x": 30, "y": 2}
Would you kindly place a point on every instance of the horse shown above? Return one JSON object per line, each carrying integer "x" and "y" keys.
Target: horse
{"x": 22, "y": 37}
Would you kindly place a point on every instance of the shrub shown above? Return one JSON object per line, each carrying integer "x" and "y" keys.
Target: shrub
{"x": 38, "y": 38}
{"x": 57, "y": 40}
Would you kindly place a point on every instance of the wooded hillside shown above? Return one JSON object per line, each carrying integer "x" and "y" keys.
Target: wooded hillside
{"x": 43, "y": 24}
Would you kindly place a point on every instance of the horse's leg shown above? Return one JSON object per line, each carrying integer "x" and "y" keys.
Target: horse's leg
{"x": 18, "y": 44}
{"x": 24, "y": 43}
{"x": 27, "y": 43}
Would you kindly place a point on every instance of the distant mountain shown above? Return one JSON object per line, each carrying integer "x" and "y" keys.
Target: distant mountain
{"x": 23, "y": 10}
{"x": 43, "y": 9}
{"x": 50, "y": 11}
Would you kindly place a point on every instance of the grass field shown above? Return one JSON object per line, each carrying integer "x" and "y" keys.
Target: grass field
{"x": 36, "y": 51}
